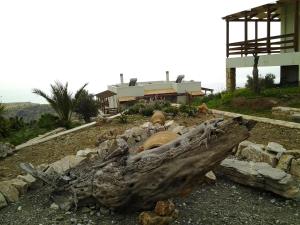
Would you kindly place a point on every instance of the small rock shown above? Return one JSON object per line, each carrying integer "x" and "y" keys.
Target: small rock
{"x": 59, "y": 218}
{"x": 104, "y": 211}
{"x": 19, "y": 208}
{"x": 73, "y": 220}
{"x": 85, "y": 210}
{"x": 86, "y": 152}
{"x": 274, "y": 147}
{"x": 3, "y": 201}
{"x": 169, "y": 123}
{"x": 150, "y": 218}
{"x": 164, "y": 208}
{"x": 54, "y": 206}
{"x": 210, "y": 177}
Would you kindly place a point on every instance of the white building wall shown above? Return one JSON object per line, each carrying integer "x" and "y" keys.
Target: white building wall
{"x": 284, "y": 59}
{"x": 187, "y": 86}
{"x": 156, "y": 85}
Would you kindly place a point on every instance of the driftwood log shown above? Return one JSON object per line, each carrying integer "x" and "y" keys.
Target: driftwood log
{"x": 123, "y": 180}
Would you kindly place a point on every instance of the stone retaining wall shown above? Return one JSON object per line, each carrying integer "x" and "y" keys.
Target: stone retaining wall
{"x": 258, "y": 119}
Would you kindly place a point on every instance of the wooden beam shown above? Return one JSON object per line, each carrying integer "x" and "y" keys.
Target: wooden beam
{"x": 227, "y": 38}
{"x": 246, "y": 31}
{"x": 268, "y": 30}
{"x": 296, "y": 24}
{"x": 256, "y": 33}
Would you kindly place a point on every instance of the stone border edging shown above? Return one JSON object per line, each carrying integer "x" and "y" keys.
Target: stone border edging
{"x": 259, "y": 119}
{"x": 30, "y": 143}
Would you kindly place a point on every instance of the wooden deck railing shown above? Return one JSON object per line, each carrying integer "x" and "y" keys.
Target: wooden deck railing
{"x": 270, "y": 45}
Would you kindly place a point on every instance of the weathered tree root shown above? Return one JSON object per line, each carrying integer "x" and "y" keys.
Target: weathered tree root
{"x": 139, "y": 181}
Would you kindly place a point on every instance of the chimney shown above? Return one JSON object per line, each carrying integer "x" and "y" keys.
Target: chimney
{"x": 121, "y": 78}
{"x": 167, "y": 76}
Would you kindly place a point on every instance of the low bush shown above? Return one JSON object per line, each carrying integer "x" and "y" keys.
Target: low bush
{"x": 188, "y": 110}
{"x": 147, "y": 110}
{"x": 48, "y": 121}
{"x": 171, "y": 110}
{"x": 123, "y": 118}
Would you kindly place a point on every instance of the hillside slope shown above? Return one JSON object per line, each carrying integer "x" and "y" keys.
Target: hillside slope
{"x": 29, "y": 111}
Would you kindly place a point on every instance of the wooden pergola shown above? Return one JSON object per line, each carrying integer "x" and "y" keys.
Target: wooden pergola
{"x": 267, "y": 13}
{"x": 102, "y": 99}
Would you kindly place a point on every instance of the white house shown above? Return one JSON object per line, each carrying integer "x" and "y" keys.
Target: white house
{"x": 178, "y": 91}
{"x": 280, "y": 50}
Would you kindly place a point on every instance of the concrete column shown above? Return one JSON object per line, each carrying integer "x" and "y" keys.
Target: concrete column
{"x": 290, "y": 75}
{"x": 230, "y": 79}
{"x": 299, "y": 75}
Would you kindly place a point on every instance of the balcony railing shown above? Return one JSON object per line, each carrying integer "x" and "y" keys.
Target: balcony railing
{"x": 270, "y": 45}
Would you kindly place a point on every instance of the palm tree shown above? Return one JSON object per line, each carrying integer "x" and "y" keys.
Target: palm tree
{"x": 61, "y": 100}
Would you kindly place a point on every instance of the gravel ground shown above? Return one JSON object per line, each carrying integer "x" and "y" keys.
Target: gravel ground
{"x": 222, "y": 203}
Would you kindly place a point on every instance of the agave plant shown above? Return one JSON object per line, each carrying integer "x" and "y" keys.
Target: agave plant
{"x": 62, "y": 101}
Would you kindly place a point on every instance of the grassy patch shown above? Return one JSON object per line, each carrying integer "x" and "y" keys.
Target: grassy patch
{"x": 245, "y": 101}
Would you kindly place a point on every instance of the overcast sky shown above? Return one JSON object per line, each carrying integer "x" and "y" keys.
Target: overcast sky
{"x": 95, "y": 41}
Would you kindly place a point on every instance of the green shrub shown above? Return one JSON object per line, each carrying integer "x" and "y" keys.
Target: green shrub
{"x": 172, "y": 110}
{"x": 263, "y": 82}
{"x": 48, "y": 121}
{"x": 188, "y": 110}
{"x": 4, "y": 128}
{"x": 123, "y": 118}
{"x": 86, "y": 106}
{"x": 16, "y": 123}
{"x": 135, "y": 109}
{"x": 147, "y": 110}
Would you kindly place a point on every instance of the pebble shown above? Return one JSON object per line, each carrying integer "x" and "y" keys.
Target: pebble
{"x": 19, "y": 208}
{"x": 104, "y": 211}
{"x": 273, "y": 200}
{"x": 54, "y": 206}
{"x": 73, "y": 220}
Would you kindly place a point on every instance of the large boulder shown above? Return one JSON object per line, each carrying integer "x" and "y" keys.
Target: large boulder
{"x": 284, "y": 162}
{"x": 295, "y": 168}
{"x": 64, "y": 164}
{"x": 261, "y": 175}
{"x": 32, "y": 182}
{"x": 246, "y": 143}
{"x": 6, "y": 150}
{"x": 255, "y": 153}
{"x": 10, "y": 193}
{"x": 108, "y": 146}
{"x": 158, "y": 117}
{"x": 159, "y": 139}
{"x": 3, "y": 201}
{"x": 19, "y": 184}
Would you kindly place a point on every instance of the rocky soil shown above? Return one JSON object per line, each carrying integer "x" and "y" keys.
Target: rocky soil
{"x": 222, "y": 203}
{"x": 57, "y": 148}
